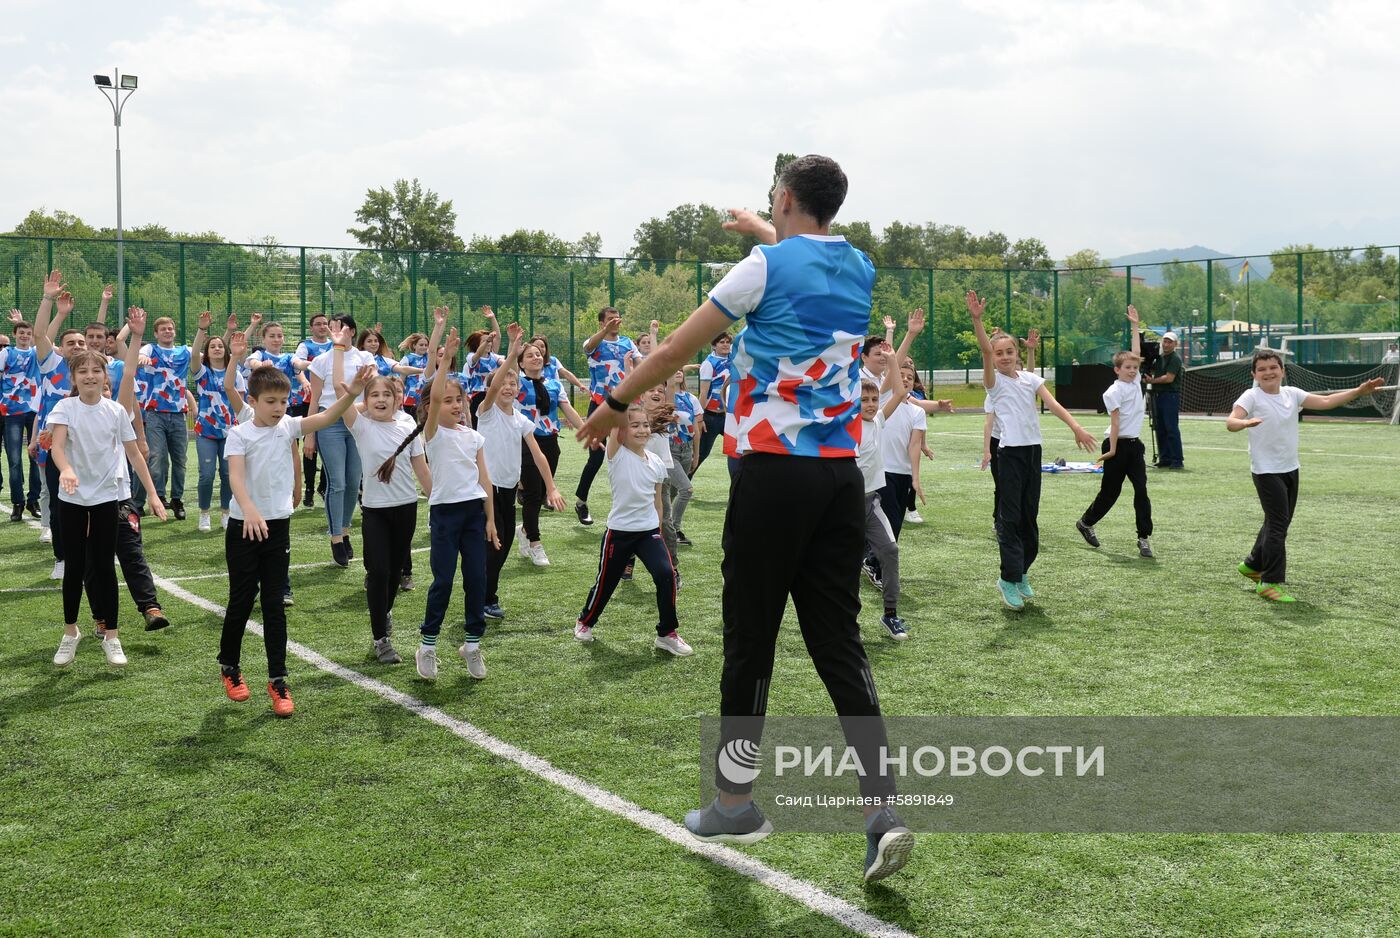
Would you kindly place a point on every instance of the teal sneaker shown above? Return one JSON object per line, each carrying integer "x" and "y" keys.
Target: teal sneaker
{"x": 1010, "y": 594}
{"x": 1024, "y": 588}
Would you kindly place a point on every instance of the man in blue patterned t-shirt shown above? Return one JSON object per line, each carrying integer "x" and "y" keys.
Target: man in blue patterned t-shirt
{"x": 165, "y": 408}
{"x": 609, "y": 354}
{"x": 794, "y": 528}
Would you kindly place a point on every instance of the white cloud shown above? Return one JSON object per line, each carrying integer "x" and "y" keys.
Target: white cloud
{"x": 1117, "y": 125}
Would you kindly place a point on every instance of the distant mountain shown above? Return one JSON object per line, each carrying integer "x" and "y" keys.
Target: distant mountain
{"x": 1150, "y": 261}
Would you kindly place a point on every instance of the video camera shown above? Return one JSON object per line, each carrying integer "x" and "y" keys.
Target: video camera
{"x": 1151, "y": 351}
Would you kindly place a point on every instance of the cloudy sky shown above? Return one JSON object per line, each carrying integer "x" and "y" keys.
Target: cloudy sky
{"x": 1121, "y": 126}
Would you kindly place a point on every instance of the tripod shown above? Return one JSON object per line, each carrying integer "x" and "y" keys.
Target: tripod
{"x": 1152, "y": 423}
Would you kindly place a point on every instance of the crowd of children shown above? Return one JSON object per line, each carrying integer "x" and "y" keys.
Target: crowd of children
{"x": 98, "y": 410}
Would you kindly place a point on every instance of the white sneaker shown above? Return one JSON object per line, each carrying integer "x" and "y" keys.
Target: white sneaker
{"x": 67, "y": 650}
{"x": 223, "y": 521}
{"x": 45, "y": 536}
{"x": 57, "y": 572}
{"x": 112, "y": 648}
{"x": 583, "y": 633}
{"x": 913, "y": 517}
{"x": 537, "y": 556}
{"x": 522, "y": 544}
{"x": 674, "y": 644}
{"x": 204, "y": 521}
{"x": 476, "y": 662}
{"x": 426, "y": 660}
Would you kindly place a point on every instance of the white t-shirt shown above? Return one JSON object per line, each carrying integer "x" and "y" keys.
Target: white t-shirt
{"x": 96, "y": 434}
{"x": 452, "y": 457}
{"x": 504, "y": 433}
{"x": 1013, "y": 402}
{"x": 996, "y": 421}
{"x": 659, "y": 445}
{"x": 1125, "y": 397}
{"x": 1273, "y": 445}
{"x": 894, "y": 439}
{"x": 267, "y": 465}
{"x": 321, "y": 367}
{"x": 870, "y": 456}
{"x": 377, "y": 440}
{"x": 633, "y": 480}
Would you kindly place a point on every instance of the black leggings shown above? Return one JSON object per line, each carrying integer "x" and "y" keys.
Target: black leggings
{"x": 533, "y": 483}
{"x": 714, "y": 430}
{"x": 1018, "y": 509}
{"x": 1128, "y": 463}
{"x": 55, "y": 507}
{"x": 504, "y": 500}
{"x": 90, "y": 531}
{"x": 256, "y": 567}
{"x": 1278, "y": 496}
{"x": 590, "y": 469}
{"x": 616, "y": 551}
{"x": 388, "y": 537}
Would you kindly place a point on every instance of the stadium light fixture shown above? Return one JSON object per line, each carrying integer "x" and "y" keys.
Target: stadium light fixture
{"x": 113, "y": 90}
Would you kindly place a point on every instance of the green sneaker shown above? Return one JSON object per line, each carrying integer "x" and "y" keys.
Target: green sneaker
{"x": 1248, "y": 572}
{"x": 1274, "y": 593}
{"x": 1024, "y": 588}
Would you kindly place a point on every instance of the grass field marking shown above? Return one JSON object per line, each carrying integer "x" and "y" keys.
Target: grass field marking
{"x": 809, "y": 895}
{"x": 295, "y": 566}
{"x": 31, "y": 589}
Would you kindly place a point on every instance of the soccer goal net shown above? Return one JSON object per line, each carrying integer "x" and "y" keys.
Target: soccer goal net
{"x": 1213, "y": 389}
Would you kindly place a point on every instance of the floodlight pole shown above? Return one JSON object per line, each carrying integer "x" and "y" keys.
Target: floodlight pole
{"x": 118, "y": 103}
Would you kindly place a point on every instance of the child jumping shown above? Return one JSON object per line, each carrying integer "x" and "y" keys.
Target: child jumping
{"x": 1011, "y": 394}
{"x": 1270, "y": 412}
{"x": 1123, "y": 453}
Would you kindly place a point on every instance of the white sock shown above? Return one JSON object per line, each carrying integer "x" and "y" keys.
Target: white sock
{"x": 473, "y": 646}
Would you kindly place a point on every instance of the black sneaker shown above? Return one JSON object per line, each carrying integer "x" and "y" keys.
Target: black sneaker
{"x": 178, "y": 508}
{"x": 406, "y": 583}
{"x": 349, "y": 549}
{"x": 18, "y": 513}
{"x": 1087, "y": 532}
{"x": 155, "y": 619}
{"x": 682, "y": 540}
{"x": 872, "y": 576}
{"x": 34, "y": 512}
{"x": 581, "y": 509}
{"x": 338, "y": 554}
{"x": 711, "y": 826}
{"x": 888, "y": 844}
{"x": 309, "y": 499}
{"x": 627, "y": 572}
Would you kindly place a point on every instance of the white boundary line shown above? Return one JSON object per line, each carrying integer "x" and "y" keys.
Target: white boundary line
{"x": 809, "y": 895}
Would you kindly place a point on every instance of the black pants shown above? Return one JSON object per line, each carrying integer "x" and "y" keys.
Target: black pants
{"x": 388, "y": 537}
{"x": 504, "y": 501}
{"x": 1018, "y": 508}
{"x": 992, "y": 468}
{"x": 795, "y": 527}
{"x": 714, "y": 430}
{"x": 257, "y": 567}
{"x": 894, "y": 495}
{"x": 474, "y": 404}
{"x": 615, "y": 553}
{"x": 1278, "y": 496}
{"x": 131, "y": 554}
{"x": 91, "y": 532}
{"x": 533, "y": 483}
{"x": 590, "y": 468}
{"x": 55, "y": 506}
{"x": 1128, "y": 463}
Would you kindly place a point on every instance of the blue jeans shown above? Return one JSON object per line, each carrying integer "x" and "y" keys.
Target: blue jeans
{"x": 18, "y": 429}
{"x": 167, "y": 436}
{"x": 457, "y": 529}
{"x": 211, "y": 457}
{"x": 1168, "y": 428}
{"x": 341, "y": 458}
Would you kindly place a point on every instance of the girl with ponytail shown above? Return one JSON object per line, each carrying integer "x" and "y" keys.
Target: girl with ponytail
{"x": 542, "y": 400}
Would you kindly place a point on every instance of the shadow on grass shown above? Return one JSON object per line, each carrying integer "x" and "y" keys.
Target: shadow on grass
{"x": 736, "y": 910}
{"x": 610, "y": 660}
{"x": 1028, "y": 623}
{"x": 56, "y": 688}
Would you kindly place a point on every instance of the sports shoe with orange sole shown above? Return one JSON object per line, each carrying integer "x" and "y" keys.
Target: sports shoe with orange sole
{"x": 234, "y": 686}
{"x": 281, "y": 698}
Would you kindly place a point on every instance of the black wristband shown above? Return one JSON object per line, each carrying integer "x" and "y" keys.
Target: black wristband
{"x": 614, "y": 403}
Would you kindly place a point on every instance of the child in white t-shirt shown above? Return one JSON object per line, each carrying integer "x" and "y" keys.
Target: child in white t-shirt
{"x": 1012, "y": 395}
{"x": 1269, "y": 411}
{"x": 1123, "y": 453}
{"x": 257, "y": 541}
{"x": 880, "y": 539}
{"x": 634, "y": 529}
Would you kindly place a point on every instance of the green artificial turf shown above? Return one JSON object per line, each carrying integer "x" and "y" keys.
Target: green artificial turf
{"x": 144, "y": 802}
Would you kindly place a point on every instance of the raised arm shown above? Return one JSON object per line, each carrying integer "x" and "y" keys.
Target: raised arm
{"x": 102, "y": 305}
{"x": 1136, "y": 346}
{"x": 449, "y": 349}
{"x": 43, "y": 337}
{"x": 255, "y": 326}
{"x": 342, "y": 403}
{"x": 590, "y": 343}
{"x": 976, "y": 307}
{"x": 746, "y": 222}
{"x": 894, "y": 383}
{"x": 1032, "y": 346}
{"x": 439, "y": 324}
{"x": 493, "y": 391}
{"x": 1338, "y": 398}
{"x": 201, "y": 338}
{"x": 916, "y": 325}
{"x": 126, "y": 394}
{"x": 238, "y": 347}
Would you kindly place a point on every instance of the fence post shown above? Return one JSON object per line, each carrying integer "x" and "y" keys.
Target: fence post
{"x": 532, "y": 304}
{"x": 49, "y": 266}
{"x": 699, "y": 290}
{"x": 182, "y": 294}
{"x": 571, "y": 330}
{"x": 612, "y": 281}
{"x": 1127, "y": 327}
{"x": 303, "y": 293}
{"x": 1056, "y": 325}
{"x": 228, "y": 280}
{"x": 1210, "y": 312}
{"x": 1299, "y": 271}
{"x": 412, "y": 293}
{"x": 1008, "y": 302}
{"x": 932, "y": 357}
{"x": 16, "y": 281}
{"x": 461, "y": 315}
{"x": 515, "y": 286}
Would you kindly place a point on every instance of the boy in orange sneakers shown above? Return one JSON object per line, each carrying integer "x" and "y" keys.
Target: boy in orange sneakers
{"x": 1269, "y": 411}
{"x": 257, "y": 541}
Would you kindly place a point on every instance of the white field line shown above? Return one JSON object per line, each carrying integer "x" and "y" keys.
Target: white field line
{"x": 32, "y": 589}
{"x": 802, "y": 891}
{"x": 1221, "y": 449}
{"x": 295, "y": 566}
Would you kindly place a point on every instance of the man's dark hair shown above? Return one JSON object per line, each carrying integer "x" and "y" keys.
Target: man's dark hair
{"x": 316, "y": 316}
{"x": 818, "y": 185}
{"x": 1263, "y": 355}
{"x": 603, "y": 313}
{"x": 345, "y": 319}
{"x": 268, "y": 381}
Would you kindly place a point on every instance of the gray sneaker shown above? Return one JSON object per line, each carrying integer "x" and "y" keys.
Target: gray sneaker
{"x": 1145, "y": 547}
{"x": 710, "y": 825}
{"x": 888, "y": 845}
{"x": 476, "y": 661}
{"x": 384, "y": 651}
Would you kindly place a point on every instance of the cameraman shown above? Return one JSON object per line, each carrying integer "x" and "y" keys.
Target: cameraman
{"x": 1165, "y": 378}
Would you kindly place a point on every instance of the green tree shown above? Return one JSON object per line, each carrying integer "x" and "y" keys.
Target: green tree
{"x": 40, "y": 224}
{"x": 689, "y": 232}
{"x": 406, "y": 218}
